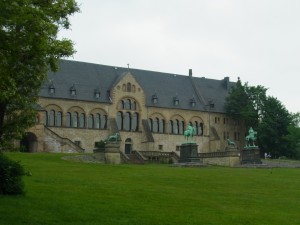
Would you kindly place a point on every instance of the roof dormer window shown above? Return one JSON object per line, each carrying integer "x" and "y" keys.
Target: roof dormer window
{"x": 97, "y": 93}
{"x": 193, "y": 102}
{"x": 51, "y": 89}
{"x": 176, "y": 100}
{"x": 73, "y": 90}
{"x": 154, "y": 99}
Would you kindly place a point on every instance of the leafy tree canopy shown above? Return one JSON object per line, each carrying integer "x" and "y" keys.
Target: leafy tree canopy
{"x": 278, "y": 130}
{"x": 29, "y": 47}
{"x": 246, "y": 102}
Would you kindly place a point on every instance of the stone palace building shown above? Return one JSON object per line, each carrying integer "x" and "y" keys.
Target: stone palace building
{"x": 84, "y": 103}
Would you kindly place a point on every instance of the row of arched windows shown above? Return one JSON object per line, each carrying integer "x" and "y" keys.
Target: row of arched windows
{"x": 174, "y": 126}
{"x": 128, "y": 87}
{"x": 97, "y": 121}
{"x": 128, "y": 104}
{"x": 157, "y": 125}
{"x": 75, "y": 120}
{"x": 128, "y": 121}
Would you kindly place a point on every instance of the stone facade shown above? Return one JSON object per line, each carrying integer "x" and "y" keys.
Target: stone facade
{"x": 83, "y": 122}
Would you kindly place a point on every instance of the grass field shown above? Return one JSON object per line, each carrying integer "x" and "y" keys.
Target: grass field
{"x": 64, "y": 192}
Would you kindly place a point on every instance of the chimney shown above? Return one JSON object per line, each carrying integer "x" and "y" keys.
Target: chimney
{"x": 190, "y": 72}
{"x": 226, "y": 83}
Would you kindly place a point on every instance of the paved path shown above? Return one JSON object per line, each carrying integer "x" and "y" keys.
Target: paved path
{"x": 275, "y": 163}
{"x": 272, "y": 164}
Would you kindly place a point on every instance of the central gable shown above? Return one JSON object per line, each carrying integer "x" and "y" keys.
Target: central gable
{"x": 126, "y": 86}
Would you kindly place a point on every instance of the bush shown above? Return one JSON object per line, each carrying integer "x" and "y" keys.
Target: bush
{"x": 100, "y": 144}
{"x": 11, "y": 173}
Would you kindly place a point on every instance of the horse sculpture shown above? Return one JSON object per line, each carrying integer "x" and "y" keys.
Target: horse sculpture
{"x": 189, "y": 133}
{"x": 114, "y": 137}
{"x": 251, "y": 138}
{"x": 230, "y": 143}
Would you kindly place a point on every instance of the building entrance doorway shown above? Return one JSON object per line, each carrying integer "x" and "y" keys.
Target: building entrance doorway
{"x": 29, "y": 143}
{"x": 128, "y": 146}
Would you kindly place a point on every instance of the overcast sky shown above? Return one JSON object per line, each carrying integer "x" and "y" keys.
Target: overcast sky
{"x": 256, "y": 40}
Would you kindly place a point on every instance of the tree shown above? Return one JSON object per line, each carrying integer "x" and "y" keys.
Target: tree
{"x": 245, "y": 103}
{"x": 267, "y": 115}
{"x": 29, "y": 48}
{"x": 293, "y": 137}
{"x": 274, "y": 127}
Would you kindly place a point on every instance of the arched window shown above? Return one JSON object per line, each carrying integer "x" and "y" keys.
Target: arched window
{"x": 200, "y": 131}
{"x": 121, "y": 105}
{"x": 51, "y": 118}
{"x": 120, "y": 120}
{"x": 170, "y": 128}
{"x": 161, "y": 126}
{"x": 133, "y": 88}
{"x": 104, "y": 122}
{"x": 135, "y": 122}
{"x": 59, "y": 119}
{"x": 75, "y": 119}
{"x": 91, "y": 121}
{"x": 45, "y": 118}
{"x": 68, "y": 119}
{"x": 155, "y": 125}
{"x": 128, "y": 104}
{"x": 97, "y": 121}
{"x": 128, "y": 121}
{"x": 197, "y": 127}
{"x": 181, "y": 127}
{"x": 128, "y": 87}
{"x": 82, "y": 120}
{"x": 176, "y": 127}
{"x": 133, "y": 106}
{"x": 150, "y": 122}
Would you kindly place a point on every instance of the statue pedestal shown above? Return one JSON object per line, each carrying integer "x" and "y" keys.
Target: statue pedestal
{"x": 112, "y": 153}
{"x": 189, "y": 153}
{"x": 250, "y": 155}
{"x": 230, "y": 149}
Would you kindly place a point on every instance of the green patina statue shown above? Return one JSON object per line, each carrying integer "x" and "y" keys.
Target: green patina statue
{"x": 113, "y": 138}
{"x": 251, "y": 138}
{"x": 230, "y": 143}
{"x": 189, "y": 133}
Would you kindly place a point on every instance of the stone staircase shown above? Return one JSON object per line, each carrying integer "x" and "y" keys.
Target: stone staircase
{"x": 53, "y": 142}
{"x": 135, "y": 157}
{"x": 142, "y": 157}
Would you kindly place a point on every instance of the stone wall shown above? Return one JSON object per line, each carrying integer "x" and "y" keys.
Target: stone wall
{"x": 228, "y": 158}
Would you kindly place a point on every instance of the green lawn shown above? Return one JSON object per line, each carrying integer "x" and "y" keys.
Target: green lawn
{"x": 65, "y": 192}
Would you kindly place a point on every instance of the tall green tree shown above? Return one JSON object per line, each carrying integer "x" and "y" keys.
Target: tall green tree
{"x": 293, "y": 137}
{"x": 29, "y": 48}
{"x": 267, "y": 115}
{"x": 245, "y": 103}
{"x": 274, "y": 127}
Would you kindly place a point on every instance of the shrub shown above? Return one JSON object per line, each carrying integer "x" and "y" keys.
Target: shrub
{"x": 100, "y": 144}
{"x": 11, "y": 173}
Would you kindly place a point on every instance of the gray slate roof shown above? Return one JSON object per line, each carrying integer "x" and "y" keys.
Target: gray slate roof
{"x": 87, "y": 77}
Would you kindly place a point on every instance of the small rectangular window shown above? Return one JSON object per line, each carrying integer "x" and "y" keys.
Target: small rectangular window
{"x": 160, "y": 147}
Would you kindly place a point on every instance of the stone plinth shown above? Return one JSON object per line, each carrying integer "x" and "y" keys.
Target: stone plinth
{"x": 189, "y": 153}
{"x": 250, "y": 155}
{"x": 231, "y": 149}
{"x": 112, "y": 153}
